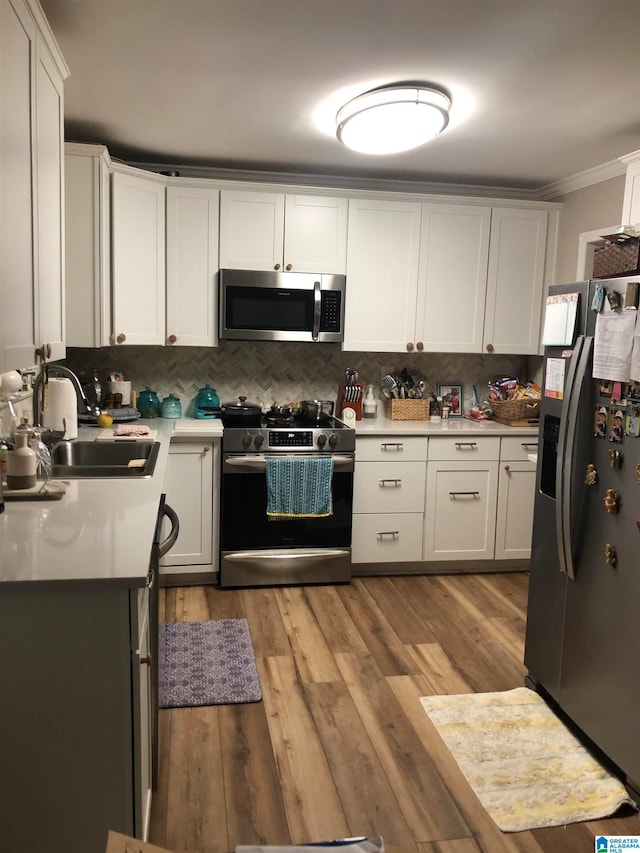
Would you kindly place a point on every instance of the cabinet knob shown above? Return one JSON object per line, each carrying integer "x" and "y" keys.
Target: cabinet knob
{"x": 409, "y": 347}
{"x": 506, "y": 468}
{"x": 121, "y": 338}
{"x": 489, "y": 347}
{"x": 206, "y": 448}
{"x": 276, "y": 266}
{"x": 289, "y": 267}
{"x": 419, "y": 346}
{"x": 172, "y": 339}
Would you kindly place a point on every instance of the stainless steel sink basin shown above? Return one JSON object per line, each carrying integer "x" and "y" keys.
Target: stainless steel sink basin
{"x": 73, "y": 460}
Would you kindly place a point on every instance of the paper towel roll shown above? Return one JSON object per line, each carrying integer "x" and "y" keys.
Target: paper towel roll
{"x": 60, "y": 406}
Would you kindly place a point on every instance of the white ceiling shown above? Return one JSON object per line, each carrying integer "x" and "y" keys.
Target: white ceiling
{"x": 542, "y": 89}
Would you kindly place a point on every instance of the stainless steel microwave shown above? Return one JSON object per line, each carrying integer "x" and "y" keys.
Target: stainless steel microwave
{"x": 281, "y": 306}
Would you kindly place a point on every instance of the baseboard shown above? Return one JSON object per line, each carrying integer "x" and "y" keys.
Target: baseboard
{"x": 439, "y": 567}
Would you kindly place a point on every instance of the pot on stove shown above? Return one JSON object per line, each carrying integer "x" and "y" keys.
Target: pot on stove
{"x": 240, "y": 412}
{"x": 315, "y": 410}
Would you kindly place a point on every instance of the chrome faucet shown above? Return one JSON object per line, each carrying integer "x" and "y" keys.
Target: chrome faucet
{"x": 84, "y": 406}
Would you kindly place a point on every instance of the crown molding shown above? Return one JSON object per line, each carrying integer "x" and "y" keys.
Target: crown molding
{"x": 612, "y": 169}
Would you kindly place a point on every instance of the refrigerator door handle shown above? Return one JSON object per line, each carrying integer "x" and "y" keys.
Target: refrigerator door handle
{"x": 567, "y": 455}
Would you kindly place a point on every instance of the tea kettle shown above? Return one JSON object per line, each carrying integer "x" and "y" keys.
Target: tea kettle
{"x": 207, "y": 403}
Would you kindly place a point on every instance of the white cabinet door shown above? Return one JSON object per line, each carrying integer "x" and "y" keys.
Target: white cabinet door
{"x": 251, "y": 230}
{"x": 315, "y": 234}
{"x": 383, "y": 249}
{"x": 32, "y": 283}
{"x": 460, "y": 513}
{"x": 87, "y": 246}
{"x": 514, "y": 522}
{"x": 192, "y": 266}
{"x": 631, "y": 203}
{"x": 452, "y": 280}
{"x": 515, "y": 280}
{"x": 388, "y": 487}
{"x": 387, "y": 537}
{"x": 138, "y": 245}
{"x": 49, "y": 197}
{"x": 189, "y": 488}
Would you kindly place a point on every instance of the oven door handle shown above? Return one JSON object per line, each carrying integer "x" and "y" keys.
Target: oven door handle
{"x": 259, "y": 462}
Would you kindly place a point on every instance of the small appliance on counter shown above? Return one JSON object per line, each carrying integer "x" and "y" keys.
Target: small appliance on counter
{"x": 207, "y": 403}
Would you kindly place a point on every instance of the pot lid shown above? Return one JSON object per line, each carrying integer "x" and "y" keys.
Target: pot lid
{"x": 242, "y": 405}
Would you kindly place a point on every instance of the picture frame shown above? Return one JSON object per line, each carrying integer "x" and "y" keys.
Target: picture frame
{"x": 452, "y": 394}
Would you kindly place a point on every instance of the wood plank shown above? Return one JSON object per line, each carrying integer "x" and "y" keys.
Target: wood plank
{"x": 336, "y": 624}
{"x": 223, "y": 603}
{"x": 439, "y": 673}
{"x": 268, "y": 633}
{"x": 456, "y": 845}
{"x": 312, "y": 804}
{"x": 397, "y": 611}
{"x": 311, "y": 653}
{"x": 253, "y": 799}
{"x": 193, "y": 788}
{"x": 381, "y": 640}
{"x": 368, "y": 800}
{"x": 424, "y": 801}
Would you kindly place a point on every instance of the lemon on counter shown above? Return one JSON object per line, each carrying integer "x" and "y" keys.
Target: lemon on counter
{"x": 104, "y": 420}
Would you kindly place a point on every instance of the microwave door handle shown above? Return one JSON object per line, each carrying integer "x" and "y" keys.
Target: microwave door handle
{"x": 317, "y": 310}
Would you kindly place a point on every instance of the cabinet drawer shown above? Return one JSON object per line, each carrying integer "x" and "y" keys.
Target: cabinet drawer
{"x": 387, "y": 538}
{"x": 389, "y": 486}
{"x": 386, "y": 448}
{"x": 518, "y": 448}
{"x": 464, "y": 449}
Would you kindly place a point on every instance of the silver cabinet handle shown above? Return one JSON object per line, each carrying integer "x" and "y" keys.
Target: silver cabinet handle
{"x": 395, "y": 445}
{"x": 393, "y": 533}
{"x": 395, "y": 483}
{"x": 472, "y": 444}
{"x": 464, "y": 494}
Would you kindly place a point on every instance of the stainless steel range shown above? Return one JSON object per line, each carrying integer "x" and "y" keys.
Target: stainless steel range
{"x": 257, "y": 551}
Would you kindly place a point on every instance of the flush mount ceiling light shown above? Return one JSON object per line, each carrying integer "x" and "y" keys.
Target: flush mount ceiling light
{"x": 393, "y": 118}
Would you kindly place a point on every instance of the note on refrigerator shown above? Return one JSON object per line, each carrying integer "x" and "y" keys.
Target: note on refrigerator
{"x": 560, "y": 319}
{"x": 613, "y": 344}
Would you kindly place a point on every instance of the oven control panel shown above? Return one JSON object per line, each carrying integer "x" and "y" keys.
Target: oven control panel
{"x": 293, "y": 438}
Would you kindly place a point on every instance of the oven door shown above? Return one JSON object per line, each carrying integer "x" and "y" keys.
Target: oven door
{"x": 258, "y": 552}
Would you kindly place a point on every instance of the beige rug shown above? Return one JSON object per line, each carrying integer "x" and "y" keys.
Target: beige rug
{"x": 524, "y": 765}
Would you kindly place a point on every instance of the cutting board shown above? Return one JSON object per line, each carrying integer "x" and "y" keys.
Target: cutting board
{"x": 110, "y": 435}
{"x": 523, "y": 422}
{"x": 52, "y": 490}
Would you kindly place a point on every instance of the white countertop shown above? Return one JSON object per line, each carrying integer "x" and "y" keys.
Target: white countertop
{"x": 101, "y": 529}
{"x": 381, "y": 425}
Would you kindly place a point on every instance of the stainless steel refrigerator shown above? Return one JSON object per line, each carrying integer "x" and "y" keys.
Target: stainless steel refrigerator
{"x": 582, "y": 647}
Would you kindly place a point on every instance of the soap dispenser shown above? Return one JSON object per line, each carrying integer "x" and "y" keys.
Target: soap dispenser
{"x": 370, "y": 406}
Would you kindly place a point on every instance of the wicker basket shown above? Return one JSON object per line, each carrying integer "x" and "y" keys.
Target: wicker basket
{"x": 516, "y": 410}
{"x": 407, "y": 410}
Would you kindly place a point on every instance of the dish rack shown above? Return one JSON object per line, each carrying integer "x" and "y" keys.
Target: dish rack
{"x": 407, "y": 410}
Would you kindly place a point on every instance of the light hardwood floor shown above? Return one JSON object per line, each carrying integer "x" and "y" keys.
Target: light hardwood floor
{"x": 340, "y": 745}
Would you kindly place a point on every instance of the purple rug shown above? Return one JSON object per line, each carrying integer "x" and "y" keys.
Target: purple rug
{"x": 207, "y": 663}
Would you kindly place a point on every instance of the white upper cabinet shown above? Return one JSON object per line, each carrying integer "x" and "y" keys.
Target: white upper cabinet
{"x": 138, "y": 259}
{"x": 452, "y": 279}
{"x": 88, "y": 252}
{"x": 273, "y": 231}
{"x": 32, "y": 72}
{"x": 382, "y": 275}
{"x": 192, "y": 266}
{"x": 515, "y": 281}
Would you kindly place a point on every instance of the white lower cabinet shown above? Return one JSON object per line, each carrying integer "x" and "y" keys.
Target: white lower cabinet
{"x": 388, "y": 499}
{"x": 191, "y": 490}
{"x": 460, "y": 510}
{"x": 516, "y": 495}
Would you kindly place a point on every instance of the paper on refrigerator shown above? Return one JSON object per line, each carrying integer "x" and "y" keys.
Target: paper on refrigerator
{"x": 613, "y": 344}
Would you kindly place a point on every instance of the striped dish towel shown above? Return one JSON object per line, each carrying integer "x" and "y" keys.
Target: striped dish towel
{"x": 299, "y": 487}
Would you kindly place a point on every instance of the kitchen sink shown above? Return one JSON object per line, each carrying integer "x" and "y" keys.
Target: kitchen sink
{"x": 73, "y": 460}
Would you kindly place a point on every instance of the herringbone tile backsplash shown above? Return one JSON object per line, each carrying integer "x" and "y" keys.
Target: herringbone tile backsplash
{"x": 270, "y": 372}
